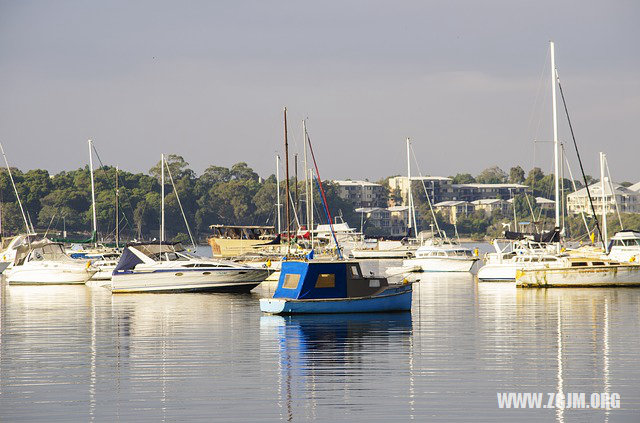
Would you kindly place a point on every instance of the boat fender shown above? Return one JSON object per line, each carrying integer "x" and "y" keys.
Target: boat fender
{"x": 88, "y": 264}
{"x": 268, "y": 264}
{"x": 632, "y": 259}
{"x": 476, "y": 252}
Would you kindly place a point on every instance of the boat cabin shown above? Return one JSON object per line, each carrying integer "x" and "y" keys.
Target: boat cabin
{"x": 434, "y": 252}
{"x": 301, "y": 280}
{"x": 43, "y": 250}
{"x": 243, "y": 232}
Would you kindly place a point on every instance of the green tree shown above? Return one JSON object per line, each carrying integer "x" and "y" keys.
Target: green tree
{"x": 492, "y": 175}
{"x": 516, "y": 175}
{"x": 463, "y": 178}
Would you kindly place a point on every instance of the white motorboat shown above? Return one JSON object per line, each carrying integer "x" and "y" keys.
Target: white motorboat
{"x": 170, "y": 268}
{"x": 442, "y": 257}
{"x": 379, "y": 249}
{"x": 625, "y": 246}
{"x": 516, "y": 255}
{"x": 45, "y": 262}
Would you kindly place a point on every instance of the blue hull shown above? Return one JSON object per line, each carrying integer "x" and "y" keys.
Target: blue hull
{"x": 398, "y": 299}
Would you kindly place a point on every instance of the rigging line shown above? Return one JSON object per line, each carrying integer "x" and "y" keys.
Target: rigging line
{"x": 575, "y": 144}
{"x": 573, "y": 183}
{"x": 613, "y": 193}
{"x": 324, "y": 197}
{"x": 180, "y": 204}
{"x": 24, "y": 216}
{"x": 413, "y": 153}
{"x": 48, "y": 227}
{"x": 541, "y": 79}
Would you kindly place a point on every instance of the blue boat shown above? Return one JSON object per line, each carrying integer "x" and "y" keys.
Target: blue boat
{"x": 334, "y": 287}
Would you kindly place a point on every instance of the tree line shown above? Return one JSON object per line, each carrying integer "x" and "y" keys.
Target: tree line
{"x": 235, "y": 195}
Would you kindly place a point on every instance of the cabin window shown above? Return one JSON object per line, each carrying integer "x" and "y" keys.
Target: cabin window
{"x": 374, "y": 283}
{"x": 598, "y": 263}
{"x": 579, "y": 264}
{"x": 326, "y": 280}
{"x": 355, "y": 272}
{"x": 291, "y": 281}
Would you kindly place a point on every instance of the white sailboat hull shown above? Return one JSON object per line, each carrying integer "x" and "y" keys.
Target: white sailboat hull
{"x": 441, "y": 264}
{"x": 623, "y": 275}
{"x": 184, "y": 279}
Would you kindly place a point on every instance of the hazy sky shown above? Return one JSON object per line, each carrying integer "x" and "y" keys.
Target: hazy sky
{"x": 468, "y": 81}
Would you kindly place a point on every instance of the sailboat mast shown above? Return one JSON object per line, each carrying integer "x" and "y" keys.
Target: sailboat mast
{"x": 93, "y": 196}
{"x": 117, "y": 215}
{"x": 409, "y": 196}
{"x": 306, "y": 175}
{"x": 604, "y": 204}
{"x": 278, "y": 192}
{"x": 24, "y": 215}
{"x": 286, "y": 166}
{"x": 311, "y": 203}
{"x": 162, "y": 199}
{"x": 556, "y": 174}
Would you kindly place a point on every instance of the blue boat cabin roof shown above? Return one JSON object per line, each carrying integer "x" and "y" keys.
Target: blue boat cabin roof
{"x": 324, "y": 279}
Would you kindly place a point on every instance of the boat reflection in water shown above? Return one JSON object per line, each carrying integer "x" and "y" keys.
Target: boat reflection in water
{"x": 320, "y": 358}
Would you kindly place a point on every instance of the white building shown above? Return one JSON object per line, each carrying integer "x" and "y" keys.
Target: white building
{"x": 491, "y": 205}
{"x": 628, "y": 199}
{"x": 454, "y": 209}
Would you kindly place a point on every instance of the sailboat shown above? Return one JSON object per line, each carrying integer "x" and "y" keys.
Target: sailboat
{"x": 530, "y": 253}
{"x": 167, "y": 267}
{"x": 584, "y": 270}
{"x": 311, "y": 285}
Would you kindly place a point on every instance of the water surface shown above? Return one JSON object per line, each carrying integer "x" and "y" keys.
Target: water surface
{"x": 74, "y": 353}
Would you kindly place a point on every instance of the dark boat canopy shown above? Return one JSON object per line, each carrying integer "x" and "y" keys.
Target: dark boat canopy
{"x": 550, "y": 236}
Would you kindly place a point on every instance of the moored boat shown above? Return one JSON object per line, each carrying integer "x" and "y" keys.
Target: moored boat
{"x": 155, "y": 267}
{"x": 572, "y": 271}
{"x": 325, "y": 286}
{"x": 442, "y": 257}
{"x": 45, "y": 262}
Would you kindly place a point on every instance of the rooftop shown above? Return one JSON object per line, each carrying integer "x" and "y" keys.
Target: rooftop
{"x": 349, "y": 182}
{"x": 450, "y": 203}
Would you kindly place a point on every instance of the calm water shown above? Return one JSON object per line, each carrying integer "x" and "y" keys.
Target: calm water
{"x": 73, "y": 353}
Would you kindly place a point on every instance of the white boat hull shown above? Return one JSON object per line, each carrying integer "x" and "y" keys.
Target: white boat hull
{"x": 441, "y": 264}
{"x": 498, "y": 272}
{"x": 48, "y": 276}
{"x": 172, "y": 280}
{"x": 381, "y": 254}
{"x": 624, "y": 275}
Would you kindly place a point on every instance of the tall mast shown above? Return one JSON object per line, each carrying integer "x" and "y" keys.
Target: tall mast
{"x": 411, "y": 211}
{"x": 93, "y": 196}
{"x": 296, "y": 203}
{"x": 286, "y": 165}
{"x": 604, "y": 204}
{"x": 162, "y": 200}
{"x": 278, "y": 192}
{"x": 311, "y": 203}
{"x": 24, "y": 215}
{"x": 117, "y": 216}
{"x": 306, "y": 175}
{"x": 556, "y": 172}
